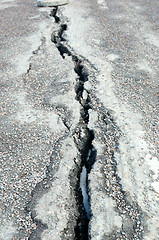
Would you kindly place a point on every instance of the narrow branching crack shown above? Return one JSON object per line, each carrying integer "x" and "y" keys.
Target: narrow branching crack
{"x": 66, "y": 125}
{"x": 43, "y": 40}
{"x": 36, "y": 51}
{"x": 43, "y": 187}
{"x": 29, "y": 68}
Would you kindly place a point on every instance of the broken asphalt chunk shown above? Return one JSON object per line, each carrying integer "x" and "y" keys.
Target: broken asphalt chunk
{"x": 51, "y": 3}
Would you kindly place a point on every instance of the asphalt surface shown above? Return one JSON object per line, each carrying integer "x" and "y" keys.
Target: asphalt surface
{"x": 79, "y": 88}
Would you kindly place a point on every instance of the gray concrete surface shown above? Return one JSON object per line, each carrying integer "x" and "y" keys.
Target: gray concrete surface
{"x": 79, "y": 89}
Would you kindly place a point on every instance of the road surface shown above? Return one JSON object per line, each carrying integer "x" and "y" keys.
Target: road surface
{"x": 79, "y": 120}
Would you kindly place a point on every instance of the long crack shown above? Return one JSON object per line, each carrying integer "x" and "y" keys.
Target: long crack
{"x": 35, "y": 52}
{"x": 82, "y": 135}
{"x": 83, "y": 138}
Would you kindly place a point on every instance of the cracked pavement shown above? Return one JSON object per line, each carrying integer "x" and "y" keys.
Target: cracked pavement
{"x": 79, "y": 91}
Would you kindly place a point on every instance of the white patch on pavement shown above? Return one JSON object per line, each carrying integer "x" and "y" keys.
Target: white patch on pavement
{"x": 6, "y": 4}
{"x": 104, "y": 217}
{"x": 7, "y": 230}
{"x": 155, "y": 185}
{"x": 73, "y": 105}
{"x": 153, "y": 165}
{"x": 27, "y": 114}
{"x": 142, "y": 64}
{"x": 21, "y": 61}
{"x": 103, "y": 4}
{"x": 152, "y": 39}
{"x": 54, "y": 206}
{"x": 112, "y": 57}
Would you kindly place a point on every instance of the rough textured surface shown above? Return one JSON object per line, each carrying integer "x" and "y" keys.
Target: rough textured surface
{"x": 79, "y": 89}
{"x": 51, "y": 3}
